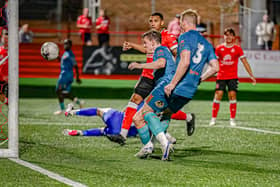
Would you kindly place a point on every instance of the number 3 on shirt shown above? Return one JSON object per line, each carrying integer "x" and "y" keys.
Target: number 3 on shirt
{"x": 197, "y": 57}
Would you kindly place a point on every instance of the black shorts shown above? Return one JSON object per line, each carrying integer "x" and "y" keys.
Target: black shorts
{"x": 144, "y": 87}
{"x": 4, "y": 88}
{"x": 86, "y": 37}
{"x": 103, "y": 38}
{"x": 176, "y": 102}
{"x": 232, "y": 84}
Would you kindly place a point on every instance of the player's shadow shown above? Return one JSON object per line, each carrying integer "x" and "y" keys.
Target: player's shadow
{"x": 204, "y": 150}
{"x": 230, "y": 160}
{"x": 25, "y": 146}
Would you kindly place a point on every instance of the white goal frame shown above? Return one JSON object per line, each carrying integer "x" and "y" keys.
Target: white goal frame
{"x": 13, "y": 140}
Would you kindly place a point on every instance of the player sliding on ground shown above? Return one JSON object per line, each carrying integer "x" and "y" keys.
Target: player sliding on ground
{"x": 173, "y": 92}
{"x": 228, "y": 54}
{"x": 112, "y": 119}
{"x": 146, "y": 84}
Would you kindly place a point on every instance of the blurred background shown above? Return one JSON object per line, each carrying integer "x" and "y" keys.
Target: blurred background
{"x": 56, "y": 19}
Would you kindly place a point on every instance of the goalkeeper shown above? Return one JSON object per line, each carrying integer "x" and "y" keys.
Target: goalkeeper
{"x": 112, "y": 119}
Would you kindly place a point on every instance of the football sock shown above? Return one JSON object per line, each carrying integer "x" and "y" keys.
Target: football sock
{"x": 165, "y": 121}
{"x": 189, "y": 117}
{"x": 93, "y": 132}
{"x": 62, "y": 106}
{"x": 87, "y": 112}
{"x": 144, "y": 133}
{"x": 180, "y": 115}
{"x": 215, "y": 108}
{"x": 162, "y": 139}
{"x": 130, "y": 111}
{"x": 154, "y": 123}
{"x": 165, "y": 124}
{"x": 232, "y": 108}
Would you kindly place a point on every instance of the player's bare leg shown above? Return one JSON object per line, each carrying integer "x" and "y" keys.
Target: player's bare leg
{"x": 232, "y": 107}
{"x": 61, "y": 102}
{"x": 216, "y": 106}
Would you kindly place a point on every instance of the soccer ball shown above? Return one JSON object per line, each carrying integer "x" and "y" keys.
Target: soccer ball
{"x": 49, "y": 51}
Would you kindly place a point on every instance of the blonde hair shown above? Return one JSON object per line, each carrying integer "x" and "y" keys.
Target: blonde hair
{"x": 153, "y": 35}
{"x": 190, "y": 16}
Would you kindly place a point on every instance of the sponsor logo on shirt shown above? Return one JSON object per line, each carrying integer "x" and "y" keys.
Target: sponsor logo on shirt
{"x": 160, "y": 52}
{"x": 182, "y": 43}
{"x": 193, "y": 72}
{"x": 227, "y": 60}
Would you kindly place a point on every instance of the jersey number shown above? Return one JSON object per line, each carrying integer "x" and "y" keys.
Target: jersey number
{"x": 197, "y": 57}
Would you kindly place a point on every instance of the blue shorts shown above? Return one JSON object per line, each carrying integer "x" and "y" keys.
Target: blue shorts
{"x": 158, "y": 101}
{"x": 113, "y": 119}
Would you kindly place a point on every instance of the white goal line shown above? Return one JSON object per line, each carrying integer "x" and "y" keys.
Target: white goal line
{"x": 50, "y": 174}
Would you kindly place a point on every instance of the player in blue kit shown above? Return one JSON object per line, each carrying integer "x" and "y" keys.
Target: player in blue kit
{"x": 194, "y": 52}
{"x": 63, "y": 86}
{"x": 164, "y": 68}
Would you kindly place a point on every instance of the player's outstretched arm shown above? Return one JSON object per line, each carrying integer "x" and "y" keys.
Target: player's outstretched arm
{"x": 180, "y": 71}
{"x": 248, "y": 69}
{"x": 211, "y": 70}
{"x": 129, "y": 45}
{"x": 158, "y": 64}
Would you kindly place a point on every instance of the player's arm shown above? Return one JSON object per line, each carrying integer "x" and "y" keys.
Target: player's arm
{"x": 248, "y": 69}
{"x": 158, "y": 64}
{"x": 172, "y": 44}
{"x": 180, "y": 71}
{"x": 129, "y": 45}
{"x": 211, "y": 69}
{"x": 80, "y": 26}
{"x": 78, "y": 80}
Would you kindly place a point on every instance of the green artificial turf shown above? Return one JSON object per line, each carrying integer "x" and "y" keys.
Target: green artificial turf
{"x": 213, "y": 156}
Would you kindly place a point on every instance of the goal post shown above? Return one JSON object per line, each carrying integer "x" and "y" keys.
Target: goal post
{"x": 13, "y": 47}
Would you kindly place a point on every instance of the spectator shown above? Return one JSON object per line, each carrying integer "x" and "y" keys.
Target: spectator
{"x": 266, "y": 33}
{"x": 25, "y": 35}
{"x": 84, "y": 23}
{"x": 174, "y": 26}
{"x": 102, "y": 26}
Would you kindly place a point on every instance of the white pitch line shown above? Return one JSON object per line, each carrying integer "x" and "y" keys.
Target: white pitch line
{"x": 243, "y": 128}
{"x": 48, "y": 173}
{"x": 257, "y": 130}
{"x": 54, "y": 123}
{"x": 3, "y": 142}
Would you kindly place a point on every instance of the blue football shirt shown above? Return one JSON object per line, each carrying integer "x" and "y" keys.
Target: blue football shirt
{"x": 201, "y": 53}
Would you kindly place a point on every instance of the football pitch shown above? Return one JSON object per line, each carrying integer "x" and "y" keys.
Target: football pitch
{"x": 247, "y": 155}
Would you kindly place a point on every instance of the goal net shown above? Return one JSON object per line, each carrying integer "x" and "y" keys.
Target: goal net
{"x": 9, "y": 79}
